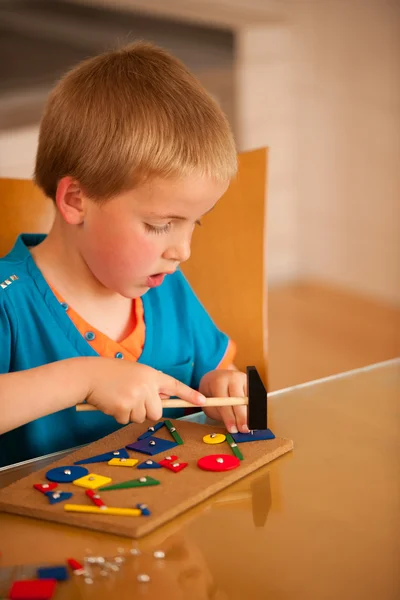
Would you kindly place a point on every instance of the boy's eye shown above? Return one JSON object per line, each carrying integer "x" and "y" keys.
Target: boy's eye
{"x": 162, "y": 228}
{"x": 159, "y": 229}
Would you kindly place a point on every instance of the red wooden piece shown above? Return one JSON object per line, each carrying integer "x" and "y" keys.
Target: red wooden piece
{"x": 173, "y": 465}
{"x": 45, "y": 487}
{"x": 218, "y": 462}
{"x": 95, "y": 498}
{"x": 168, "y": 459}
{"x": 74, "y": 564}
{"x": 32, "y": 589}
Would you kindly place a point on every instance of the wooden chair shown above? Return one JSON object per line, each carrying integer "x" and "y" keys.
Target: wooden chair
{"x": 23, "y": 209}
{"x": 226, "y": 268}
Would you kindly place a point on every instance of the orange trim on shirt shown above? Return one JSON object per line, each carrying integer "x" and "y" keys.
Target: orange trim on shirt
{"x": 229, "y": 356}
{"x": 131, "y": 347}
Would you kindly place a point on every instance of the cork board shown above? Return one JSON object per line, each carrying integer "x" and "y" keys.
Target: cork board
{"x": 176, "y": 493}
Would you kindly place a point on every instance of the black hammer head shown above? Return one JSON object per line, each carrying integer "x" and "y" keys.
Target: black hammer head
{"x": 257, "y": 394}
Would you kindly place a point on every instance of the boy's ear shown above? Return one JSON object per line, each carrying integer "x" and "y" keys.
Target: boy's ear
{"x": 71, "y": 201}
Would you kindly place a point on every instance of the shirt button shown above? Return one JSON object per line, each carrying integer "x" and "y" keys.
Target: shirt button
{"x": 89, "y": 336}
{"x": 64, "y": 305}
{"x": 119, "y": 355}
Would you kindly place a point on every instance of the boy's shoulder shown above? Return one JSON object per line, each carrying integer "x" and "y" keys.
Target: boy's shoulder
{"x": 13, "y": 283}
{"x": 14, "y": 268}
{"x": 10, "y": 271}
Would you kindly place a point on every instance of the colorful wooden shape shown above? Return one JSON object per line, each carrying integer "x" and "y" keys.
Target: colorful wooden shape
{"x": 32, "y": 589}
{"x": 132, "y": 483}
{"x": 173, "y": 432}
{"x": 45, "y": 487}
{"x": 59, "y": 573}
{"x": 151, "y": 430}
{"x": 121, "y": 453}
{"x": 214, "y": 438}
{"x": 110, "y": 510}
{"x": 95, "y": 498}
{"x": 233, "y": 446}
{"x": 74, "y": 564}
{"x": 256, "y": 436}
{"x": 149, "y": 464}
{"x": 152, "y": 445}
{"x": 66, "y": 474}
{"x": 144, "y": 509}
{"x": 218, "y": 462}
{"x": 169, "y": 458}
{"x": 173, "y": 465}
{"x": 123, "y": 462}
{"x": 56, "y": 497}
{"x": 92, "y": 481}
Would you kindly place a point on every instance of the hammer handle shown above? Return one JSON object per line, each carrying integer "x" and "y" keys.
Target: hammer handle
{"x": 177, "y": 403}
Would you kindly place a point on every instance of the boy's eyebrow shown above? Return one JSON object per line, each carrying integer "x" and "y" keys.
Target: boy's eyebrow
{"x": 180, "y": 218}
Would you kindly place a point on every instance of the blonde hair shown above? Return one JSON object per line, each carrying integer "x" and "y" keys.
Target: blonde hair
{"x": 127, "y": 115}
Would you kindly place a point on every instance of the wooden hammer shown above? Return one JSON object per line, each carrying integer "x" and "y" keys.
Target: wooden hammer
{"x": 257, "y": 401}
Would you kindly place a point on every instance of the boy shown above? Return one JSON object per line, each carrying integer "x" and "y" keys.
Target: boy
{"x": 133, "y": 152}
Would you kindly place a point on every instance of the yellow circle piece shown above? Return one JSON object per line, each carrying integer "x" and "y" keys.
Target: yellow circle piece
{"x": 214, "y": 438}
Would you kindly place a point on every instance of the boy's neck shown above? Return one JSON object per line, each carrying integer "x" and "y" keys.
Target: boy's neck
{"x": 64, "y": 268}
{"x": 65, "y": 271}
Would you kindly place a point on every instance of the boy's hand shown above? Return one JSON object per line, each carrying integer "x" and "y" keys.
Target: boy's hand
{"x": 131, "y": 391}
{"x": 224, "y": 383}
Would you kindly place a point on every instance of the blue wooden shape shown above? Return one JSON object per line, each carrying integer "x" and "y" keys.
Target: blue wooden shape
{"x": 147, "y": 446}
{"x": 256, "y": 436}
{"x": 144, "y": 509}
{"x": 149, "y": 464}
{"x": 151, "y": 430}
{"x": 120, "y": 453}
{"x": 54, "y": 496}
{"x": 60, "y": 475}
{"x": 59, "y": 573}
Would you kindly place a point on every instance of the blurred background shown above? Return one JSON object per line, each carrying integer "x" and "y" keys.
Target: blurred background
{"x": 318, "y": 82}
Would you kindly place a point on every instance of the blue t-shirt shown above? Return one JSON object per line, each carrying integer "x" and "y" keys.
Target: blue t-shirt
{"x": 181, "y": 340}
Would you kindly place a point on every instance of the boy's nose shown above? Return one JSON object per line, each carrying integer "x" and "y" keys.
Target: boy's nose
{"x": 178, "y": 252}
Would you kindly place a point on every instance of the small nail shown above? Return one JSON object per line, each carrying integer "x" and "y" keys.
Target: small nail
{"x": 233, "y": 429}
{"x": 245, "y": 429}
{"x": 201, "y": 399}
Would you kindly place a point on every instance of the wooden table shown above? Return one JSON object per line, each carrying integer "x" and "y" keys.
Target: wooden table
{"x": 320, "y": 523}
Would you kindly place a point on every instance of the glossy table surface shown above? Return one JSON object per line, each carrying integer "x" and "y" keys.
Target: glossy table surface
{"x": 322, "y": 522}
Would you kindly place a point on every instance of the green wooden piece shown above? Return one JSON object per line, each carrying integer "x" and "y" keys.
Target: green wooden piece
{"x": 173, "y": 432}
{"x": 132, "y": 483}
{"x": 233, "y": 446}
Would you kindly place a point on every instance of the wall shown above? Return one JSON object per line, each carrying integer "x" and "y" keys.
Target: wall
{"x": 322, "y": 89}
{"x": 349, "y": 145}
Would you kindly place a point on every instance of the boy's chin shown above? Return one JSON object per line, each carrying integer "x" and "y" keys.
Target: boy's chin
{"x": 134, "y": 291}
{"x": 141, "y": 287}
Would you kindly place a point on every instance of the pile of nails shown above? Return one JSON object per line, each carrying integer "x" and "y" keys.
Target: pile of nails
{"x": 101, "y": 566}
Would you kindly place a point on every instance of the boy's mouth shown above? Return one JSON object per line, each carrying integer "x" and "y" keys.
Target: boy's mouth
{"x": 155, "y": 280}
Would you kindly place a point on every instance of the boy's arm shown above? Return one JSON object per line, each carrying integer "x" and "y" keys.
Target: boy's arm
{"x": 28, "y": 395}
{"x": 128, "y": 391}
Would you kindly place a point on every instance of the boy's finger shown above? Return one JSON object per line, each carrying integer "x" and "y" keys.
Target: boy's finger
{"x": 221, "y": 390}
{"x": 173, "y": 387}
{"x": 154, "y": 407}
{"x": 241, "y": 418}
{"x": 236, "y": 388}
{"x": 228, "y": 417}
